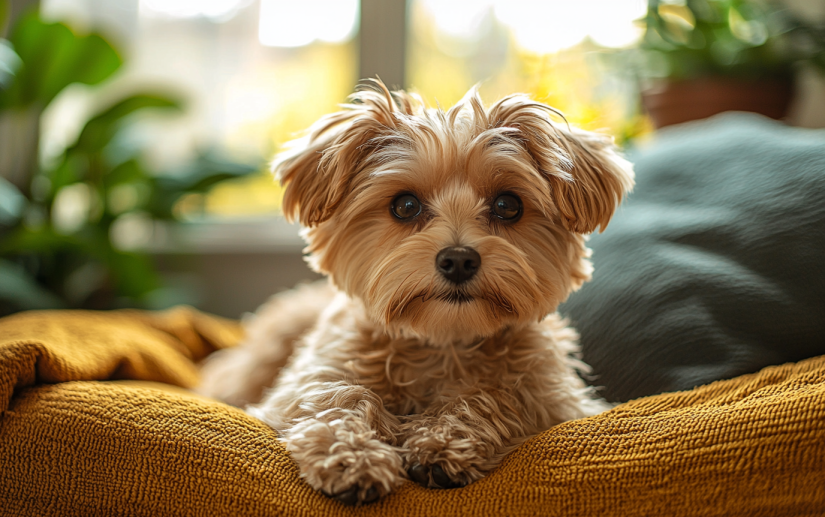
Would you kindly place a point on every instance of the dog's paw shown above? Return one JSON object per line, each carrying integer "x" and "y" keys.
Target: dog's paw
{"x": 439, "y": 456}
{"x": 355, "y": 496}
{"x": 344, "y": 460}
{"x": 433, "y": 477}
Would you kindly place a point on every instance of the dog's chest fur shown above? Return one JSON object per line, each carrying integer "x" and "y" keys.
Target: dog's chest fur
{"x": 412, "y": 376}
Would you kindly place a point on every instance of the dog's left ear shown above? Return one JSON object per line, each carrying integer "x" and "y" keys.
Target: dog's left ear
{"x": 587, "y": 177}
{"x": 318, "y": 170}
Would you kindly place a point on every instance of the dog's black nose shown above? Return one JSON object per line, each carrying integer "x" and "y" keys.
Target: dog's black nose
{"x": 458, "y": 264}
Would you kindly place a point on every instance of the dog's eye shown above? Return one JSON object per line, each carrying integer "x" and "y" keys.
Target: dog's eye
{"x": 507, "y": 206}
{"x": 405, "y": 206}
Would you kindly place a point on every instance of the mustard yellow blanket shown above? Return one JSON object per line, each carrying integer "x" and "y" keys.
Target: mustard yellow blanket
{"x": 92, "y": 424}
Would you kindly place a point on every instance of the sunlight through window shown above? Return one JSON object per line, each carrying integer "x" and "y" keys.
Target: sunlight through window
{"x": 214, "y": 9}
{"x": 551, "y": 26}
{"x": 287, "y": 23}
{"x": 543, "y": 27}
{"x": 458, "y": 18}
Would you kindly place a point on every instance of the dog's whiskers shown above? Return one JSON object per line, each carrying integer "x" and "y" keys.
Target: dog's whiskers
{"x": 498, "y": 301}
{"x": 428, "y": 294}
{"x": 457, "y": 297}
{"x": 399, "y": 306}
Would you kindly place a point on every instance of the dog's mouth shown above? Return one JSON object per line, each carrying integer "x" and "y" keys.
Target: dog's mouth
{"x": 456, "y": 297}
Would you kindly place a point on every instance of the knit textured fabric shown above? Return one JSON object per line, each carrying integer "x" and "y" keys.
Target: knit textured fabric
{"x": 95, "y": 421}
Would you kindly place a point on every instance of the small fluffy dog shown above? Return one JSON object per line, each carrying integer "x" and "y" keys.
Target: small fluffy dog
{"x": 449, "y": 239}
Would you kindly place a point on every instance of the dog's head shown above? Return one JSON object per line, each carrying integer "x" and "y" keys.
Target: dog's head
{"x": 451, "y": 225}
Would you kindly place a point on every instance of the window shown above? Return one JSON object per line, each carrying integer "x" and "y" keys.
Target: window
{"x": 254, "y": 73}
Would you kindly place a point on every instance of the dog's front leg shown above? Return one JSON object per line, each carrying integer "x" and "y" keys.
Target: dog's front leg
{"x": 340, "y": 436}
{"x": 461, "y": 440}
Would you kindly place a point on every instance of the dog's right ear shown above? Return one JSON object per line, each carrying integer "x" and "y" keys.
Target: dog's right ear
{"x": 587, "y": 176}
{"x": 317, "y": 170}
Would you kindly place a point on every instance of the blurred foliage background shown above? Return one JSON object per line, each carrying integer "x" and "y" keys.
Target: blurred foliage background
{"x": 70, "y": 229}
{"x": 733, "y": 38}
{"x": 123, "y": 120}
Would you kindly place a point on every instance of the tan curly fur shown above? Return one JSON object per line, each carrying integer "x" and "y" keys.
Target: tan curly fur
{"x": 395, "y": 370}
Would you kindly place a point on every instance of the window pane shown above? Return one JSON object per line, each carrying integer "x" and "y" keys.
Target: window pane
{"x": 556, "y": 51}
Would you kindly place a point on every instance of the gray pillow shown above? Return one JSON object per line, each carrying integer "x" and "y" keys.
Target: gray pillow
{"x": 715, "y": 265}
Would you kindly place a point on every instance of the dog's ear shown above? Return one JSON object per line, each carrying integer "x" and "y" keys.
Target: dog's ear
{"x": 317, "y": 170}
{"x": 587, "y": 177}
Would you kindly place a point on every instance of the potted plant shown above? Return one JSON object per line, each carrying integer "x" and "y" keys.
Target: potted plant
{"x": 59, "y": 221}
{"x": 702, "y": 57}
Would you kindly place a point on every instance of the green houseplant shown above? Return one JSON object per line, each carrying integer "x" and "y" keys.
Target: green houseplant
{"x": 702, "y": 57}
{"x": 59, "y": 223}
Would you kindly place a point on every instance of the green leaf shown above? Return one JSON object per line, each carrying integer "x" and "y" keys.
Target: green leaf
{"x": 71, "y": 169}
{"x": 22, "y": 292}
{"x": 101, "y": 128}
{"x": 199, "y": 176}
{"x": 204, "y": 172}
{"x": 130, "y": 171}
{"x": 54, "y": 57}
{"x": 133, "y": 274}
{"x": 12, "y": 203}
{"x": 41, "y": 241}
{"x": 9, "y": 63}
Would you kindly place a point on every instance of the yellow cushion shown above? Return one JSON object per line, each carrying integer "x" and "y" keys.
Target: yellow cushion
{"x": 91, "y": 424}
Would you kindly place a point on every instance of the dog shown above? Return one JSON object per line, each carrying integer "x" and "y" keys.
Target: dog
{"x": 449, "y": 238}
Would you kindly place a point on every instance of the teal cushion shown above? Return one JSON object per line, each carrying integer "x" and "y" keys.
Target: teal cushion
{"x": 715, "y": 265}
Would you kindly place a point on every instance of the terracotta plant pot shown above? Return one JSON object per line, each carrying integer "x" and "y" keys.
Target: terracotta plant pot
{"x": 676, "y": 102}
